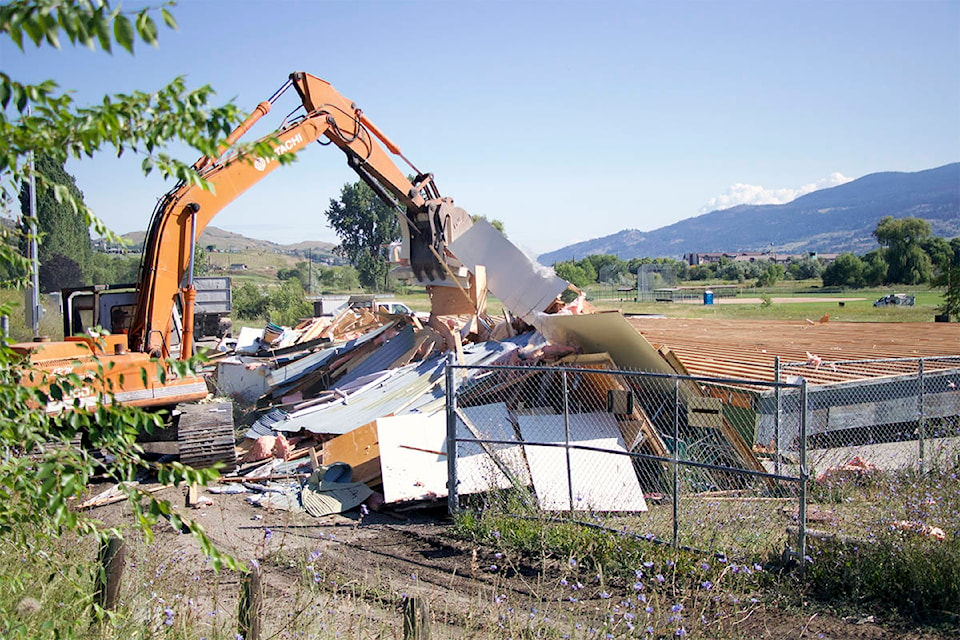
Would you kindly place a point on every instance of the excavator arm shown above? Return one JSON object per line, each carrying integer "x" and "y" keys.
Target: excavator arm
{"x": 429, "y": 221}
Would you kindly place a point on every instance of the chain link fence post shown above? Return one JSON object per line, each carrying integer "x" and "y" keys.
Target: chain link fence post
{"x": 453, "y": 500}
{"x": 676, "y": 463}
{"x": 776, "y": 417}
{"x": 804, "y": 477}
{"x": 921, "y": 420}
{"x": 566, "y": 438}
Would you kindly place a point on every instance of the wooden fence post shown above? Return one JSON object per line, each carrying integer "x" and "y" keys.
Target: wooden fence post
{"x": 416, "y": 618}
{"x": 251, "y": 603}
{"x": 109, "y": 571}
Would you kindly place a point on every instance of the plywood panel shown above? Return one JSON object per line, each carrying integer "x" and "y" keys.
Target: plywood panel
{"x": 360, "y": 449}
{"x": 607, "y": 332}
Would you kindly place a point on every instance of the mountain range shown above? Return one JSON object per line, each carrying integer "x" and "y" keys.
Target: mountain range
{"x": 831, "y": 220}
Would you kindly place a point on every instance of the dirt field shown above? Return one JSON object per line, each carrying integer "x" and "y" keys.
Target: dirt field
{"x": 346, "y": 575}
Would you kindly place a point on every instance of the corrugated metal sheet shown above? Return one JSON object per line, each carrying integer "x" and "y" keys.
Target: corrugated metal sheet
{"x": 405, "y": 388}
{"x": 383, "y": 357}
{"x": 475, "y": 354}
{"x": 264, "y": 424}
{"x": 284, "y": 379}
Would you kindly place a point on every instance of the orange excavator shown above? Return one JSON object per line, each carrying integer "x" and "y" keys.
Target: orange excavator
{"x": 131, "y": 360}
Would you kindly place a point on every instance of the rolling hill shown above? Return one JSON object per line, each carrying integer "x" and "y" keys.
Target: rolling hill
{"x": 827, "y": 221}
{"x": 228, "y": 241}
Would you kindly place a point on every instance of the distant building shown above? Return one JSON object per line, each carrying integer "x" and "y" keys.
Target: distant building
{"x": 695, "y": 259}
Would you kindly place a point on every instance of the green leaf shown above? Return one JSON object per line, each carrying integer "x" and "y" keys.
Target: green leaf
{"x": 84, "y": 35}
{"x": 19, "y": 98}
{"x": 100, "y": 25}
{"x": 5, "y": 93}
{"x": 168, "y": 18}
{"x": 147, "y": 28}
{"x": 123, "y": 32}
{"x": 34, "y": 31}
{"x": 16, "y": 34}
{"x": 52, "y": 30}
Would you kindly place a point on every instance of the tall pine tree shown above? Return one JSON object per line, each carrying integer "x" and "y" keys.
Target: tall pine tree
{"x": 64, "y": 234}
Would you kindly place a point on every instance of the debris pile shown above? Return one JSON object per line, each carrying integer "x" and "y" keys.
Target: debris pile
{"x": 365, "y": 391}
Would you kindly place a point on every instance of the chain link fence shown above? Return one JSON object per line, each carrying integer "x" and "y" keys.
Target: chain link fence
{"x": 883, "y": 414}
{"x": 718, "y": 465}
{"x": 667, "y": 458}
{"x": 651, "y": 277}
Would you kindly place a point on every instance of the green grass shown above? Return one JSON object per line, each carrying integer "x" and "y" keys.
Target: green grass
{"x": 925, "y": 308}
{"x": 885, "y": 564}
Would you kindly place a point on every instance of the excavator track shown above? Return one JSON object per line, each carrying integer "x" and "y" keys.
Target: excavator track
{"x": 205, "y": 435}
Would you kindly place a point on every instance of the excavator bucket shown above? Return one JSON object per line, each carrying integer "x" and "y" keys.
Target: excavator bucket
{"x": 442, "y": 224}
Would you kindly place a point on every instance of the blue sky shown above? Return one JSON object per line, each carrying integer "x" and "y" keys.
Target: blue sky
{"x": 565, "y": 120}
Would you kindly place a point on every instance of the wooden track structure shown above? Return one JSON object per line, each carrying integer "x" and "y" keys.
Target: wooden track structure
{"x": 748, "y": 348}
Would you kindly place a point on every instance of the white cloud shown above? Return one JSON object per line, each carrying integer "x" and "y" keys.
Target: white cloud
{"x": 754, "y": 194}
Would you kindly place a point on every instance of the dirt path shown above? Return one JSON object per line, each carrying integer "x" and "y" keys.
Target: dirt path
{"x": 346, "y": 576}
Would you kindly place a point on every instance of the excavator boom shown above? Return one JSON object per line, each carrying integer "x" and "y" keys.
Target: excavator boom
{"x": 429, "y": 221}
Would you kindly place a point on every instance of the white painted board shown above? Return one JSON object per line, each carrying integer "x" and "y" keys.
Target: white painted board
{"x": 413, "y": 461}
{"x": 523, "y": 286}
{"x": 600, "y": 481}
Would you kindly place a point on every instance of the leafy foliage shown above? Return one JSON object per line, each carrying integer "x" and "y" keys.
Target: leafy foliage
{"x": 48, "y": 121}
{"x": 41, "y": 470}
{"x": 771, "y": 275}
{"x": 579, "y": 274}
{"x": 106, "y": 268}
{"x": 846, "y": 271}
{"x": 949, "y": 278}
{"x": 250, "y": 302}
{"x": 805, "y": 269}
{"x": 365, "y": 225}
{"x": 907, "y": 263}
{"x": 285, "y": 304}
{"x": 343, "y": 278}
{"x": 909, "y": 255}
{"x": 59, "y": 271}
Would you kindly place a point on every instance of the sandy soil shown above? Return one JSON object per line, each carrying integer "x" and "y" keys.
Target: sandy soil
{"x": 349, "y": 574}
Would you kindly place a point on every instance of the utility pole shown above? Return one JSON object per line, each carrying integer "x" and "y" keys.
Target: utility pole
{"x": 33, "y": 304}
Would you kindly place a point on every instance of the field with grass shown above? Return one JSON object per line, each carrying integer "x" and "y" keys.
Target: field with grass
{"x": 787, "y": 301}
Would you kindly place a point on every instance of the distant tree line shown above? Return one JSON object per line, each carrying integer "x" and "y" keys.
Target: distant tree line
{"x": 610, "y": 269}
{"x": 908, "y": 254}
